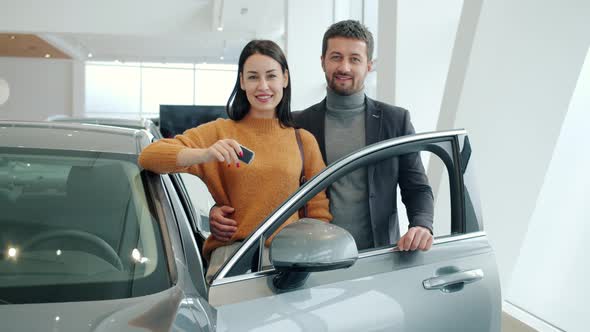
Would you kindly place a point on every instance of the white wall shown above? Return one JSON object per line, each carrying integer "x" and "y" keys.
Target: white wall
{"x": 520, "y": 77}
{"x": 38, "y": 88}
{"x": 304, "y": 33}
{"x": 553, "y": 265}
{"x": 425, "y": 38}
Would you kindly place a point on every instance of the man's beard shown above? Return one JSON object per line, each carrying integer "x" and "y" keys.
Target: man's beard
{"x": 341, "y": 90}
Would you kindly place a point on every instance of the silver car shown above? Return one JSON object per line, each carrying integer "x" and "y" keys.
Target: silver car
{"x": 140, "y": 123}
{"x": 91, "y": 242}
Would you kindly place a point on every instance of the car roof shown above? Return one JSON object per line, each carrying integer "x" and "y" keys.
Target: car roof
{"x": 138, "y": 123}
{"x": 72, "y": 136}
{"x": 128, "y": 123}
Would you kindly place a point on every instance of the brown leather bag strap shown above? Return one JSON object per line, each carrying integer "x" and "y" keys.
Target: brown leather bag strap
{"x": 300, "y": 144}
{"x": 302, "y": 179}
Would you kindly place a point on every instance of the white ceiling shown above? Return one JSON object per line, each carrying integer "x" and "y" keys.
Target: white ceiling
{"x": 147, "y": 30}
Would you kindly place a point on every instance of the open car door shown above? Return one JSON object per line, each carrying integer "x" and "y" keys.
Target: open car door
{"x": 453, "y": 286}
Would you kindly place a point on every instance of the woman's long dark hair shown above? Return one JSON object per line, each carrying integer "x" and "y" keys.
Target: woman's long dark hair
{"x": 238, "y": 105}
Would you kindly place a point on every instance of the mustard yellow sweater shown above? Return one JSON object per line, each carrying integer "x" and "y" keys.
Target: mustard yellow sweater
{"x": 254, "y": 189}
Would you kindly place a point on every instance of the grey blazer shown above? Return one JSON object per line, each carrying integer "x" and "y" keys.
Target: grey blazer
{"x": 383, "y": 122}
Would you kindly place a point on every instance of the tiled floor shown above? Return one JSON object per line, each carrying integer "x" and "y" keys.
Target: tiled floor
{"x": 511, "y": 324}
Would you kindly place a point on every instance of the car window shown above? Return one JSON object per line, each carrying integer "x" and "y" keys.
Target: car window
{"x": 76, "y": 226}
{"x": 438, "y": 179}
{"x": 359, "y": 216}
{"x": 439, "y": 182}
{"x": 201, "y": 201}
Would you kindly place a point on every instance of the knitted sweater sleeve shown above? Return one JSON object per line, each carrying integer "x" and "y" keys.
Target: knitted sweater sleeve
{"x": 319, "y": 206}
{"x": 161, "y": 156}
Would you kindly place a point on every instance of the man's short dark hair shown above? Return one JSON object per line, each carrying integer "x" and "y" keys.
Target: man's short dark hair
{"x": 349, "y": 29}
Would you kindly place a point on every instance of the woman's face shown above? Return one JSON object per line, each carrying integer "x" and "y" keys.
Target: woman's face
{"x": 263, "y": 81}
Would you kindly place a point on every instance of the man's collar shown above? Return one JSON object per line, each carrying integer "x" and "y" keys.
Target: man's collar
{"x": 336, "y": 101}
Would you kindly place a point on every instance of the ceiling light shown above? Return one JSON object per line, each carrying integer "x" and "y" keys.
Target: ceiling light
{"x": 221, "y": 58}
{"x": 90, "y": 55}
{"x": 12, "y": 252}
{"x": 47, "y": 55}
{"x": 13, "y": 37}
{"x": 219, "y": 28}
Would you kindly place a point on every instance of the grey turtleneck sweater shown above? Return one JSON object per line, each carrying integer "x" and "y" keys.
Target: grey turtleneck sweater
{"x": 345, "y": 133}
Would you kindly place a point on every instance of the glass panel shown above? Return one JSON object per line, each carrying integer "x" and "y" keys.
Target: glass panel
{"x": 165, "y": 86}
{"x": 438, "y": 179}
{"x": 112, "y": 90}
{"x": 213, "y": 87}
{"x": 167, "y": 65}
{"x": 201, "y": 201}
{"x": 214, "y": 67}
{"x": 76, "y": 227}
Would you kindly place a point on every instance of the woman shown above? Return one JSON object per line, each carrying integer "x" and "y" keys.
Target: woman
{"x": 259, "y": 119}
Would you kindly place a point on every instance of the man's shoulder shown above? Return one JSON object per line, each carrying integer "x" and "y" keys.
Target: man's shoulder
{"x": 312, "y": 108}
{"x": 395, "y": 120}
{"x": 388, "y": 109}
{"x": 310, "y": 114}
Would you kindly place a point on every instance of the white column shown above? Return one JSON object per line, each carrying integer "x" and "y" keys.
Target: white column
{"x": 553, "y": 256}
{"x": 307, "y": 20}
{"x": 385, "y": 62}
{"x": 519, "y": 79}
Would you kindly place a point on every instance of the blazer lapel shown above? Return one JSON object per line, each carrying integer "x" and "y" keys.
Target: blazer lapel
{"x": 372, "y": 134}
{"x": 372, "y": 122}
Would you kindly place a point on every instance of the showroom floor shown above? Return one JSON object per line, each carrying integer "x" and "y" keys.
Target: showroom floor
{"x": 511, "y": 324}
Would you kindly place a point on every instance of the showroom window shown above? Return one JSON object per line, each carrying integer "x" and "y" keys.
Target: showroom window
{"x": 132, "y": 90}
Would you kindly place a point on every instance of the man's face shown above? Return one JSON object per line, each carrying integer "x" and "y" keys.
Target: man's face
{"x": 346, "y": 65}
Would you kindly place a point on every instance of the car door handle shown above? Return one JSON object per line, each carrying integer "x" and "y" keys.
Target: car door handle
{"x": 443, "y": 281}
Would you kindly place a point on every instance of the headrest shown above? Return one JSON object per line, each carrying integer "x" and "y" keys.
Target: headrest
{"x": 105, "y": 186}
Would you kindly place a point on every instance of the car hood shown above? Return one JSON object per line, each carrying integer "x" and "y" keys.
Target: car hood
{"x": 156, "y": 312}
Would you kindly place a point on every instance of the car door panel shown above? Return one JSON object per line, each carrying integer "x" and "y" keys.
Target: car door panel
{"x": 379, "y": 292}
{"x": 452, "y": 287}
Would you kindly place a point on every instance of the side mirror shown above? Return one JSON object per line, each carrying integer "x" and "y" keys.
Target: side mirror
{"x": 310, "y": 245}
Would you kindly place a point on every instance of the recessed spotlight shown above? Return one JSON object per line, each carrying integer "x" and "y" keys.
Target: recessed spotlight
{"x": 219, "y": 28}
{"x": 221, "y": 58}
{"x": 13, "y": 37}
{"x": 90, "y": 55}
{"x": 47, "y": 55}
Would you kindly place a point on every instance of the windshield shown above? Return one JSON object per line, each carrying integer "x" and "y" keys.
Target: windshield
{"x": 75, "y": 226}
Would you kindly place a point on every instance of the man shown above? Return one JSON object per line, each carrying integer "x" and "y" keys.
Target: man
{"x": 364, "y": 201}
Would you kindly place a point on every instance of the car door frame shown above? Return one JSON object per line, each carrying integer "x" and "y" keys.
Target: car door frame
{"x": 451, "y": 158}
{"x": 230, "y": 286}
